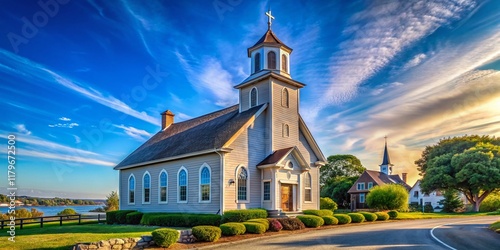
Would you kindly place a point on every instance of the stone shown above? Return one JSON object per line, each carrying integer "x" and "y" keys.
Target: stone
{"x": 136, "y": 239}
{"x": 119, "y": 242}
{"x": 147, "y": 237}
{"x": 152, "y": 243}
{"x": 93, "y": 246}
{"x": 126, "y": 245}
{"x": 142, "y": 244}
{"x": 104, "y": 248}
{"x": 116, "y": 247}
{"x": 104, "y": 243}
{"x": 82, "y": 247}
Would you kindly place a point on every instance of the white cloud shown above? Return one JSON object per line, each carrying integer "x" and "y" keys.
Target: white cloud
{"x": 70, "y": 159}
{"x": 77, "y": 139}
{"x": 415, "y": 61}
{"x": 66, "y": 119}
{"x": 21, "y": 128}
{"x": 138, "y": 134}
{"x": 64, "y": 125}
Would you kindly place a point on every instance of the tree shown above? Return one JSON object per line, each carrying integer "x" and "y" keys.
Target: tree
{"x": 468, "y": 164}
{"x": 491, "y": 203}
{"x": 451, "y": 202}
{"x": 112, "y": 201}
{"x": 340, "y": 166}
{"x": 67, "y": 211}
{"x": 337, "y": 189}
{"x": 388, "y": 197}
{"x": 327, "y": 203}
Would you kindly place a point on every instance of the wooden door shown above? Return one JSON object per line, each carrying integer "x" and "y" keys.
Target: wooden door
{"x": 286, "y": 197}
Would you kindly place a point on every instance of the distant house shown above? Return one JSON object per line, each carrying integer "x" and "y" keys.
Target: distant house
{"x": 371, "y": 178}
{"x": 258, "y": 153}
{"x": 418, "y": 197}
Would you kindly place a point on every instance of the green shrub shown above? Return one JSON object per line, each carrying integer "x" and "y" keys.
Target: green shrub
{"x": 330, "y": 220}
{"x": 180, "y": 220}
{"x": 165, "y": 237}
{"x": 327, "y": 203}
{"x": 291, "y": 223}
{"x": 233, "y": 228}
{"x": 356, "y": 217}
{"x": 274, "y": 225}
{"x": 264, "y": 222}
{"x": 343, "y": 218}
{"x": 121, "y": 216}
{"x": 385, "y": 197}
{"x": 490, "y": 203}
{"x": 320, "y": 213}
{"x": 242, "y": 215}
{"x": 382, "y": 215}
{"x": 255, "y": 227}
{"x": 67, "y": 211}
{"x": 111, "y": 217}
{"x": 393, "y": 214}
{"x": 311, "y": 220}
{"x": 207, "y": 233}
{"x": 369, "y": 216}
{"x": 134, "y": 218}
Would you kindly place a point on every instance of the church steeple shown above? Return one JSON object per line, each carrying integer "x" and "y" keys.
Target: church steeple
{"x": 386, "y": 166}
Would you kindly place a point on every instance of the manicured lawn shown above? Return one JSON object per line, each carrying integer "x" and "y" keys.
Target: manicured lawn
{"x": 496, "y": 227}
{"x": 63, "y": 237}
{"x": 420, "y": 215}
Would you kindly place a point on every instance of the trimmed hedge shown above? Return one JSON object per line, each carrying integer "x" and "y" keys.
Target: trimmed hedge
{"x": 382, "y": 215}
{"x": 291, "y": 223}
{"x": 356, "y": 217}
{"x": 134, "y": 218}
{"x": 242, "y": 215}
{"x": 117, "y": 216}
{"x": 255, "y": 227}
{"x": 165, "y": 237}
{"x": 327, "y": 203}
{"x": 393, "y": 214}
{"x": 274, "y": 225}
{"x": 369, "y": 216}
{"x": 180, "y": 220}
{"x": 232, "y": 228}
{"x": 207, "y": 233}
{"x": 311, "y": 220}
{"x": 343, "y": 218}
{"x": 264, "y": 222}
{"x": 320, "y": 213}
{"x": 330, "y": 220}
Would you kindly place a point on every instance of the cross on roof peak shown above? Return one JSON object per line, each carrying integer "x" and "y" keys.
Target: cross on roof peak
{"x": 269, "y": 18}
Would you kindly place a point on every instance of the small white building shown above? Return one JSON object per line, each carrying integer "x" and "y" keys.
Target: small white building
{"x": 417, "y": 196}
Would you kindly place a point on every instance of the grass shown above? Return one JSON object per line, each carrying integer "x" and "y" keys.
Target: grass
{"x": 420, "y": 215}
{"x": 53, "y": 236}
{"x": 495, "y": 227}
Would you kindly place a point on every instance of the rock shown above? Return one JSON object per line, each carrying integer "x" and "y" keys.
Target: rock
{"x": 126, "y": 245}
{"x": 119, "y": 242}
{"x": 116, "y": 247}
{"x": 147, "y": 237}
{"x": 81, "y": 247}
{"x": 104, "y": 243}
{"x": 93, "y": 246}
{"x": 136, "y": 239}
{"x": 104, "y": 248}
{"x": 142, "y": 244}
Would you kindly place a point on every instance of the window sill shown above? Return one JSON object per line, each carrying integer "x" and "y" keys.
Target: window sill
{"x": 163, "y": 202}
{"x": 146, "y": 203}
{"x": 205, "y": 201}
{"x": 131, "y": 203}
{"x": 182, "y": 202}
{"x": 243, "y": 202}
{"x": 308, "y": 202}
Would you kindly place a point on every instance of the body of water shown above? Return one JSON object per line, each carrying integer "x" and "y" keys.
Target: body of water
{"x": 48, "y": 211}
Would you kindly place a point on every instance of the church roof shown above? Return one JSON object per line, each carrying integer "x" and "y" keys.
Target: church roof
{"x": 276, "y": 156}
{"x": 207, "y": 132}
{"x": 380, "y": 179}
{"x": 386, "y": 160}
{"x": 269, "y": 39}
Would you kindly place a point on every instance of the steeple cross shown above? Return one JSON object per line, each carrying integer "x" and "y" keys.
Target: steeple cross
{"x": 269, "y": 19}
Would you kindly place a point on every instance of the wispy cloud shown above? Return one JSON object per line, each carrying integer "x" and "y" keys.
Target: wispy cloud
{"x": 66, "y": 119}
{"x": 64, "y": 125}
{"x": 21, "y": 128}
{"x": 138, "y": 134}
{"x": 77, "y": 139}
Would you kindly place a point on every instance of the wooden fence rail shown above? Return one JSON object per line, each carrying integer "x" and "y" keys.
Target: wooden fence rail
{"x": 45, "y": 219}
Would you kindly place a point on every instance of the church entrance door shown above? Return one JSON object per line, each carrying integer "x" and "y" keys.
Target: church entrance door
{"x": 286, "y": 197}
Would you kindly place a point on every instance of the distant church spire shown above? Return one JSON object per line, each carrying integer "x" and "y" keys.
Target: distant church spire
{"x": 386, "y": 166}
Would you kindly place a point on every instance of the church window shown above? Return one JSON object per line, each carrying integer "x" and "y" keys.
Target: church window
{"x": 271, "y": 60}
{"x": 361, "y": 198}
{"x": 307, "y": 187}
{"x": 257, "y": 62}
{"x": 163, "y": 184}
{"x": 253, "y": 97}
{"x": 242, "y": 176}
{"x": 267, "y": 191}
{"x": 284, "y": 98}
{"x": 205, "y": 183}
{"x": 415, "y": 194}
{"x": 361, "y": 186}
{"x": 131, "y": 189}
{"x": 286, "y": 130}
{"x": 284, "y": 63}
{"x": 370, "y": 185}
{"x": 146, "y": 185}
{"x": 182, "y": 177}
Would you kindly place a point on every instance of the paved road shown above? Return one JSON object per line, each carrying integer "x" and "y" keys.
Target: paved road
{"x": 415, "y": 234}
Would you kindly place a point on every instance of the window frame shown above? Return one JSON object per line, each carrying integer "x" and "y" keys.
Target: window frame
{"x": 286, "y": 130}
{"x": 256, "y": 97}
{"x": 264, "y": 190}
{"x": 179, "y": 186}
{"x": 144, "y": 188}
{"x": 285, "y": 98}
{"x": 360, "y": 184}
{"x": 128, "y": 191}
{"x": 270, "y": 60}
{"x": 362, "y": 197}
{"x": 284, "y": 63}
{"x": 200, "y": 195}
{"x": 256, "y": 62}
{"x": 370, "y": 185}
{"x": 247, "y": 185}
{"x": 308, "y": 189}
{"x": 160, "y": 187}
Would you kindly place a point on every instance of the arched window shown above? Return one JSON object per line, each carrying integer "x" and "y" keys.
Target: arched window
{"x": 284, "y": 98}
{"x": 163, "y": 184}
{"x": 271, "y": 60}
{"x": 131, "y": 189}
{"x": 307, "y": 187}
{"x": 182, "y": 177}
{"x": 205, "y": 183}
{"x": 257, "y": 62}
{"x": 253, "y": 97}
{"x": 146, "y": 186}
{"x": 286, "y": 130}
{"x": 242, "y": 176}
{"x": 284, "y": 63}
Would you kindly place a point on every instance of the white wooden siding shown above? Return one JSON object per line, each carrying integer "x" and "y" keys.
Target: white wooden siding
{"x": 263, "y": 94}
{"x": 283, "y": 115}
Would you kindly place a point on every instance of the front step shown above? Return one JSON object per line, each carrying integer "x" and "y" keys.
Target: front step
{"x": 283, "y": 214}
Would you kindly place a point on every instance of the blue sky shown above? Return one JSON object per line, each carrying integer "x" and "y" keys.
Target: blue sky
{"x": 83, "y": 82}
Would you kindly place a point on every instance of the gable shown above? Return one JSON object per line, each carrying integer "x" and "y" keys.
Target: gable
{"x": 309, "y": 143}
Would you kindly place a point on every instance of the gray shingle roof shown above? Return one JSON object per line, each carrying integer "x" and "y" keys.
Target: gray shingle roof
{"x": 210, "y": 131}
{"x": 380, "y": 179}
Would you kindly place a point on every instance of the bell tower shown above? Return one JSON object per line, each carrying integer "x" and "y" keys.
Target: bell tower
{"x": 386, "y": 166}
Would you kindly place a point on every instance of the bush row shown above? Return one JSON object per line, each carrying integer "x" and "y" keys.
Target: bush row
{"x": 244, "y": 215}
{"x": 118, "y": 216}
{"x": 320, "y": 213}
{"x": 180, "y": 220}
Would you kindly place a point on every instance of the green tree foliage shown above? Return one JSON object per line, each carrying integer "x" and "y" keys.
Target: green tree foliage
{"x": 327, "y": 203}
{"x": 338, "y": 175}
{"x": 469, "y": 164}
{"x": 491, "y": 203}
{"x": 67, "y": 211}
{"x": 388, "y": 197}
{"x": 112, "y": 201}
{"x": 451, "y": 202}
